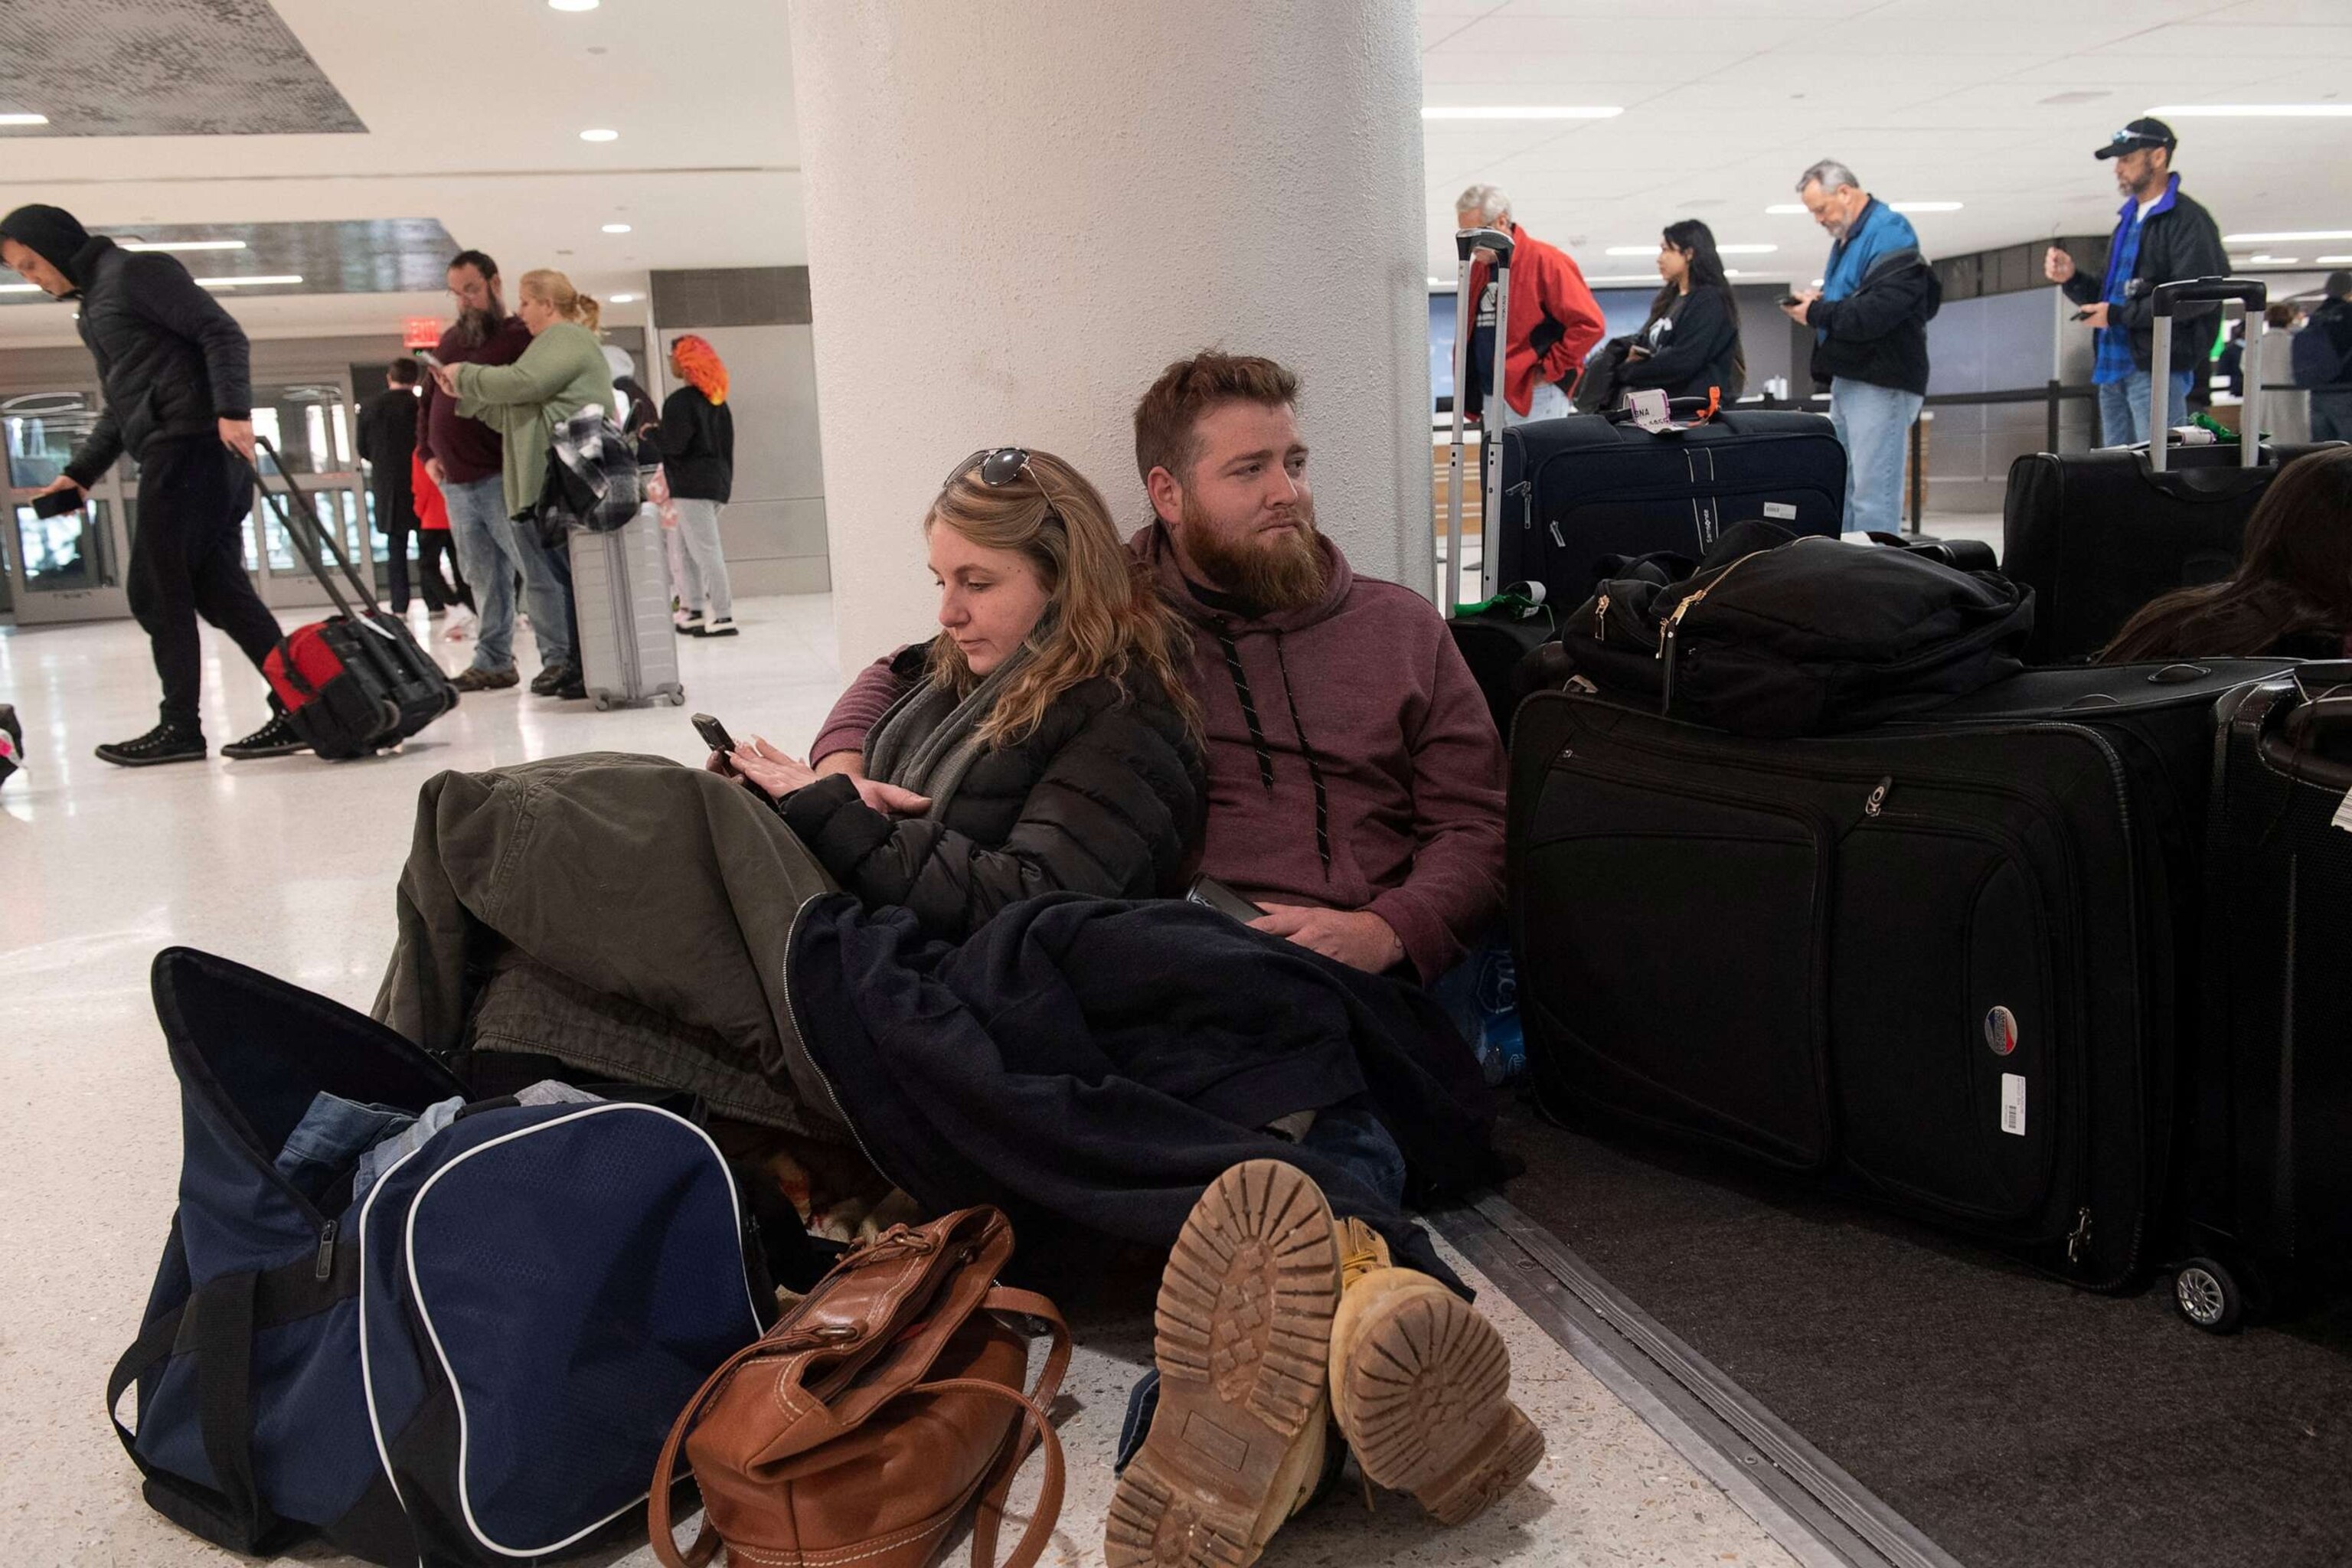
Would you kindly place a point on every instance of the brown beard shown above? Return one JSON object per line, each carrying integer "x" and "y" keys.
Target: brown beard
{"x": 474, "y": 327}
{"x": 1271, "y": 574}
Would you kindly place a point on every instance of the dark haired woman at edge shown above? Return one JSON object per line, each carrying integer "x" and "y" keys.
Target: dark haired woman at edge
{"x": 2291, "y": 595}
{"x": 1691, "y": 341}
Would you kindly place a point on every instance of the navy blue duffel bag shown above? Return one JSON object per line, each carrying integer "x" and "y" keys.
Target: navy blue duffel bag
{"x": 434, "y": 1333}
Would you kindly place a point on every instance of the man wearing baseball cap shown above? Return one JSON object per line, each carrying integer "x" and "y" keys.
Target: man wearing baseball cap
{"x": 2161, "y": 235}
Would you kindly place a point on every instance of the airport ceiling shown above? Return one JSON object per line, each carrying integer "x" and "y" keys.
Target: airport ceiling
{"x": 303, "y": 118}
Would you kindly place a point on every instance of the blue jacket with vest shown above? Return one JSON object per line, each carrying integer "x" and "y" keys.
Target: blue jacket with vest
{"x": 1877, "y": 294}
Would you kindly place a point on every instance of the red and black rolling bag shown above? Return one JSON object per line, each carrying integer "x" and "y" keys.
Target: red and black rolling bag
{"x": 358, "y": 682}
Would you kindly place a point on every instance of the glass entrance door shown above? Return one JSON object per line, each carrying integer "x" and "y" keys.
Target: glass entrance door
{"x": 68, "y": 567}
{"x": 310, "y": 425}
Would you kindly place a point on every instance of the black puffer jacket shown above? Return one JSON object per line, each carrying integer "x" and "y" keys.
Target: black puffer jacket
{"x": 694, "y": 445}
{"x": 1108, "y": 796}
{"x": 1878, "y": 333}
{"x": 171, "y": 361}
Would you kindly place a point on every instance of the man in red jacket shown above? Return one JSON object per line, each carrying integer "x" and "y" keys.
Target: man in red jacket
{"x": 1355, "y": 777}
{"x": 1555, "y": 321}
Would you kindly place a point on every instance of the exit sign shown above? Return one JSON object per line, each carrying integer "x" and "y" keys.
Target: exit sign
{"x": 420, "y": 332}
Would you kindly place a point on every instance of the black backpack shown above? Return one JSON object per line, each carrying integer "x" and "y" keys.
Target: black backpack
{"x": 1773, "y": 634}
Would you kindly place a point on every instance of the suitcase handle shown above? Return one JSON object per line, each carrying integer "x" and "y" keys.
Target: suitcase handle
{"x": 308, "y": 545}
{"x": 2253, "y": 291}
{"x": 1466, "y": 240}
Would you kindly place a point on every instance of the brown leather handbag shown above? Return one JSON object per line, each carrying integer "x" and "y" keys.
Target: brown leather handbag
{"x": 858, "y": 1429}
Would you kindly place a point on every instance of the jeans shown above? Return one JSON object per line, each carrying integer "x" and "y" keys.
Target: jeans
{"x": 2331, "y": 416}
{"x": 491, "y": 548}
{"x": 1874, "y": 424}
{"x": 1549, "y": 401}
{"x": 187, "y": 559}
{"x": 330, "y": 1137}
{"x": 705, "y": 565}
{"x": 2122, "y": 407}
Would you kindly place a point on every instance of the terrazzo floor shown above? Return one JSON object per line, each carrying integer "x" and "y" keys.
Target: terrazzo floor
{"x": 288, "y": 864}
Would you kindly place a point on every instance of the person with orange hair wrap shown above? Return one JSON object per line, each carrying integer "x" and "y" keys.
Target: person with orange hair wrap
{"x": 694, "y": 439}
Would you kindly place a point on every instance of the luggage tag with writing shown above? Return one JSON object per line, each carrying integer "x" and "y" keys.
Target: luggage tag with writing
{"x": 1650, "y": 409}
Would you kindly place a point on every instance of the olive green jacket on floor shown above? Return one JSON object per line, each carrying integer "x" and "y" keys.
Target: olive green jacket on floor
{"x": 562, "y": 373}
{"x": 625, "y": 914}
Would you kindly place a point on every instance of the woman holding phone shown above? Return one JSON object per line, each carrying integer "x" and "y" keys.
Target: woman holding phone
{"x": 1691, "y": 341}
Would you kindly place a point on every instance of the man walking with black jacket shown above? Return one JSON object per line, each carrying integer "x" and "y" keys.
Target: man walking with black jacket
{"x": 174, "y": 368}
{"x": 2161, "y": 236}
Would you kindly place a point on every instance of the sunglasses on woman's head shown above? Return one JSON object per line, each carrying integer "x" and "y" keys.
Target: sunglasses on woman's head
{"x": 999, "y": 466}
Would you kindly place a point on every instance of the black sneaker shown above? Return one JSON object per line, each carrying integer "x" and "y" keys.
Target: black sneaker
{"x": 164, "y": 743}
{"x": 719, "y": 628}
{"x": 275, "y": 739}
{"x": 544, "y": 683}
{"x": 574, "y": 687}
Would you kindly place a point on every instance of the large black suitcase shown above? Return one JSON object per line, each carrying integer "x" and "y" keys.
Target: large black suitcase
{"x": 2096, "y": 535}
{"x": 357, "y": 682}
{"x": 1935, "y": 961}
{"x": 2269, "y": 1188}
{"x": 1580, "y": 489}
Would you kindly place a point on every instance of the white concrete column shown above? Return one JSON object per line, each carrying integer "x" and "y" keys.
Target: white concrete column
{"x": 1020, "y": 211}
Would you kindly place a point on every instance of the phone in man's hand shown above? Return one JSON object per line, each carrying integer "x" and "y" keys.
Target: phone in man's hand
{"x": 1208, "y": 891}
{"x": 56, "y": 503}
{"x": 431, "y": 360}
{"x": 1788, "y": 299}
{"x": 714, "y": 734}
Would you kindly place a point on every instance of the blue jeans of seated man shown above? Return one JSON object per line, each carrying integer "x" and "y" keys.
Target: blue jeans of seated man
{"x": 2122, "y": 407}
{"x": 1874, "y": 424}
{"x": 491, "y": 550}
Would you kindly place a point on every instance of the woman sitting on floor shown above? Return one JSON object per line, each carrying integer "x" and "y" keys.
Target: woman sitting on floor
{"x": 1049, "y": 745}
{"x": 2291, "y": 595}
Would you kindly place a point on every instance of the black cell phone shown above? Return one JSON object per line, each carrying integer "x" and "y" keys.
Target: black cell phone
{"x": 714, "y": 734}
{"x": 56, "y": 503}
{"x": 1788, "y": 299}
{"x": 1223, "y": 900}
{"x": 2083, "y": 314}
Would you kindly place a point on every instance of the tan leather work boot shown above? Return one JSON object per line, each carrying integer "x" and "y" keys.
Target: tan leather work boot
{"x": 1421, "y": 1385}
{"x": 1244, "y": 1327}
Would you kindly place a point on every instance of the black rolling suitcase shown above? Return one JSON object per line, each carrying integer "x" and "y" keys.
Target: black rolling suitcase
{"x": 1934, "y": 961}
{"x": 2269, "y": 1182}
{"x": 1575, "y": 491}
{"x": 356, "y": 682}
{"x": 2096, "y": 535}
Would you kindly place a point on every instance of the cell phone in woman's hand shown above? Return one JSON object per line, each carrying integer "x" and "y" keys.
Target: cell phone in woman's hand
{"x": 714, "y": 734}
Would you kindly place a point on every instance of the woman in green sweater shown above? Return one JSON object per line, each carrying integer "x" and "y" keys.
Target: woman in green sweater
{"x": 562, "y": 372}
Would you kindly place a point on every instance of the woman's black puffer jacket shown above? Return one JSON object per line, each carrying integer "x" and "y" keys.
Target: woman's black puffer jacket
{"x": 1107, "y": 797}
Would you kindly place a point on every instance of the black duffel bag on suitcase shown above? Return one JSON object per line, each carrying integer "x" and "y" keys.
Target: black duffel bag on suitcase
{"x": 1577, "y": 490}
{"x": 2096, "y": 535}
{"x": 1935, "y": 962}
{"x": 1775, "y": 636}
{"x": 358, "y": 682}
{"x": 2269, "y": 1125}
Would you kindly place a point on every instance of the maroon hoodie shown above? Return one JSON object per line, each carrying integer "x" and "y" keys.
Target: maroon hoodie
{"x": 1352, "y": 760}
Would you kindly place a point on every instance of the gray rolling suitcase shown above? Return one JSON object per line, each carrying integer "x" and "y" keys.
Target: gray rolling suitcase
{"x": 628, "y": 648}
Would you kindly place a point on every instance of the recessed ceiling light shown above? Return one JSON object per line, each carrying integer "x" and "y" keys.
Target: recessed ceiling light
{"x": 1720, "y": 250}
{"x": 1522, "y": 111}
{"x": 598, "y": 134}
{"x": 2079, "y": 95}
{"x": 1624, "y": 278}
{"x": 573, "y": 4}
{"x": 2332, "y": 260}
{"x": 2273, "y": 260}
{"x": 616, "y": 228}
{"x": 180, "y": 244}
{"x": 624, "y": 298}
{"x": 2254, "y": 111}
{"x": 2286, "y": 238}
{"x": 261, "y": 279}
{"x": 24, "y": 119}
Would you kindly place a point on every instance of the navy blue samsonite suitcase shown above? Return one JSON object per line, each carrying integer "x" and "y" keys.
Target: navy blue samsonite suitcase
{"x": 1577, "y": 490}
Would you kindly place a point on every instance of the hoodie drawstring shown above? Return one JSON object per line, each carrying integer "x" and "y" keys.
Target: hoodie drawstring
{"x": 1249, "y": 706}
{"x": 1314, "y": 767}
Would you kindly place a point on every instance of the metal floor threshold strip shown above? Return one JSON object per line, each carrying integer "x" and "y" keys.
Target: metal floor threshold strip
{"x": 1822, "y": 1515}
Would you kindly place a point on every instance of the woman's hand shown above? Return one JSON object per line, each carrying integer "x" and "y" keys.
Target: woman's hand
{"x": 890, "y": 799}
{"x": 776, "y": 774}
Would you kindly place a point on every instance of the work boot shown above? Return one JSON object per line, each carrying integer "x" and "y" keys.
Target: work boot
{"x": 1238, "y": 1441}
{"x": 544, "y": 683}
{"x": 1421, "y": 1385}
{"x": 275, "y": 739}
{"x": 476, "y": 678}
{"x": 164, "y": 744}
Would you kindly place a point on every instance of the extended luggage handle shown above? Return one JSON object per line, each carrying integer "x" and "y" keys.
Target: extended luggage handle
{"x": 2252, "y": 294}
{"x": 1490, "y": 454}
{"x": 309, "y": 546}
{"x": 1466, "y": 240}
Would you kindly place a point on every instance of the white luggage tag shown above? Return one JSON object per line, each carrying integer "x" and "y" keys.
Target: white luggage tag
{"x": 1650, "y": 409}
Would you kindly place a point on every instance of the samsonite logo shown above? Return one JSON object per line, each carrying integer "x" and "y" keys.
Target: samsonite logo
{"x": 2000, "y": 1032}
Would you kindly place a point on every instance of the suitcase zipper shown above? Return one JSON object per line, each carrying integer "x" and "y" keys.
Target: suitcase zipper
{"x": 1600, "y": 619}
{"x": 1877, "y": 801}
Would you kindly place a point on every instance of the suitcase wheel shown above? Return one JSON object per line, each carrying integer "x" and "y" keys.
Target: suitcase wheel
{"x": 602, "y": 702}
{"x": 2209, "y": 1296}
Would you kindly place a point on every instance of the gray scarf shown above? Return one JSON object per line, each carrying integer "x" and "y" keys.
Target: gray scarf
{"x": 928, "y": 740}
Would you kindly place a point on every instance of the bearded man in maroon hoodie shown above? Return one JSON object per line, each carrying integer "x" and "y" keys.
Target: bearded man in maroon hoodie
{"x": 1355, "y": 777}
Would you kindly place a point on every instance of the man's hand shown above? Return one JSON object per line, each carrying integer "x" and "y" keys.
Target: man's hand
{"x": 2056, "y": 264}
{"x": 61, "y": 483}
{"x": 890, "y": 800}
{"x": 1359, "y": 938}
{"x": 1795, "y": 311}
{"x": 436, "y": 473}
{"x": 2094, "y": 315}
{"x": 237, "y": 435}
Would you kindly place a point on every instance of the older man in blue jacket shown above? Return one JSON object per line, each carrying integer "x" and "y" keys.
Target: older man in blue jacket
{"x": 1870, "y": 336}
